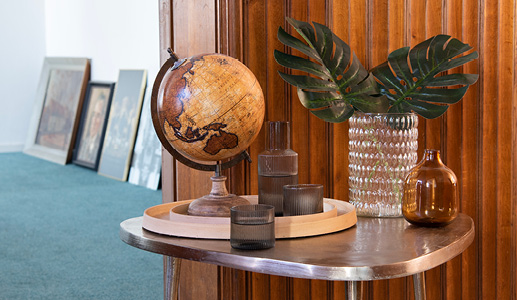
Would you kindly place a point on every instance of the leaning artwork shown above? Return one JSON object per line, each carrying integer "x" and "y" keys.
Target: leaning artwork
{"x": 57, "y": 108}
{"x": 93, "y": 124}
{"x": 146, "y": 164}
{"x": 122, "y": 124}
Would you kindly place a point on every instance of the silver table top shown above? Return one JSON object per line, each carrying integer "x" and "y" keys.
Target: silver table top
{"x": 375, "y": 248}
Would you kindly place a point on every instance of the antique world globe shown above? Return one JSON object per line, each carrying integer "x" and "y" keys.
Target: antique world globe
{"x": 208, "y": 108}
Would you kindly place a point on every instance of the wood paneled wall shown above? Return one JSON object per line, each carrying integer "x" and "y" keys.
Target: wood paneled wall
{"x": 477, "y": 137}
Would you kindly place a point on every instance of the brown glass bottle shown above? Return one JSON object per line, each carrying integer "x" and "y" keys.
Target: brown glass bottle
{"x": 430, "y": 192}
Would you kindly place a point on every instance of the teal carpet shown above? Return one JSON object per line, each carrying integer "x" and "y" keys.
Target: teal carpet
{"x": 59, "y": 234}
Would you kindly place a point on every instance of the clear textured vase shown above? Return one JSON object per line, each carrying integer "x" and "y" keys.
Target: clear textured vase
{"x": 382, "y": 151}
{"x": 277, "y": 165}
{"x": 430, "y": 192}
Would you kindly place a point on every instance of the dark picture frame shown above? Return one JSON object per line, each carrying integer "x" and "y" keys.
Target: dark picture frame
{"x": 57, "y": 108}
{"x": 123, "y": 120}
{"x": 92, "y": 127}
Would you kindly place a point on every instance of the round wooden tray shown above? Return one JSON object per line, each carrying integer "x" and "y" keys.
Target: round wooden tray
{"x": 172, "y": 219}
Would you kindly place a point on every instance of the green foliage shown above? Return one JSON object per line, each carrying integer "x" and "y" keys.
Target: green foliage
{"x": 410, "y": 78}
{"x": 338, "y": 84}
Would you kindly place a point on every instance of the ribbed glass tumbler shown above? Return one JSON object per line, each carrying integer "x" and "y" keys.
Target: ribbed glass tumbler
{"x": 252, "y": 226}
{"x": 303, "y": 199}
{"x": 382, "y": 151}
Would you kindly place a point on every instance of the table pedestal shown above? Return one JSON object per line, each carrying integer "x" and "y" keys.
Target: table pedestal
{"x": 173, "y": 267}
{"x": 419, "y": 286}
{"x": 351, "y": 290}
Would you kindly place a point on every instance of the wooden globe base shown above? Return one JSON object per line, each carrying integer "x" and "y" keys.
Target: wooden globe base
{"x": 218, "y": 202}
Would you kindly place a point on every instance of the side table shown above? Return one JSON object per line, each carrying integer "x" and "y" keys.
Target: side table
{"x": 375, "y": 248}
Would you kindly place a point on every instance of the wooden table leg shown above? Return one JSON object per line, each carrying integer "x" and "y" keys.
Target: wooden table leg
{"x": 419, "y": 286}
{"x": 351, "y": 290}
{"x": 172, "y": 279}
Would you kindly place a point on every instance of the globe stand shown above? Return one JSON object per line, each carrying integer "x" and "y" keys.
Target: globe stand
{"x": 219, "y": 201}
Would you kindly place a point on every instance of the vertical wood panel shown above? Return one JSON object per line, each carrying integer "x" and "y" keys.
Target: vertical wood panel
{"x": 452, "y": 147}
{"x": 433, "y": 134}
{"x": 473, "y": 136}
{"x": 396, "y": 25}
{"x": 504, "y": 147}
{"x": 513, "y": 256}
{"x": 378, "y": 29}
{"x": 433, "y": 128}
{"x": 258, "y": 145}
{"x": 417, "y": 33}
{"x": 338, "y": 186}
{"x": 298, "y": 114}
{"x": 488, "y": 172}
{"x": 470, "y": 196}
{"x": 166, "y": 40}
{"x": 359, "y": 30}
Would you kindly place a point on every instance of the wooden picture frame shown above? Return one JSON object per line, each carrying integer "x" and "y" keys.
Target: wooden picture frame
{"x": 92, "y": 126}
{"x": 122, "y": 126}
{"x": 146, "y": 164}
{"x": 58, "y": 104}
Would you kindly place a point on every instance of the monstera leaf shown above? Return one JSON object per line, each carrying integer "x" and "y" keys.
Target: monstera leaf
{"x": 411, "y": 79}
{"x": 339, "y": 84}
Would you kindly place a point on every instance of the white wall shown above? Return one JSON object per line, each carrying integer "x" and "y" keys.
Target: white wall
{"x": 114, "y": 34}
{"x": 22, "y": 48}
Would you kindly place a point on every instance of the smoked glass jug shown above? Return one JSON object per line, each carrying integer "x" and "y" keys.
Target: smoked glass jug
{"x": 430, "y": 193}
{"x": 277, "y": 165}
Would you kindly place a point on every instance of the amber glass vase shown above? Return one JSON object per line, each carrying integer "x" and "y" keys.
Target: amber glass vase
{"x": 430, "y": 193}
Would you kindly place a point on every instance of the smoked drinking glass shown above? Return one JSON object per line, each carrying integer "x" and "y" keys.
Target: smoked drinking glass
{"x": 252, "y": 226}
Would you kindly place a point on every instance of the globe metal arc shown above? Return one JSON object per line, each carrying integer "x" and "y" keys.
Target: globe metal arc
{"x": 208, "y": 108}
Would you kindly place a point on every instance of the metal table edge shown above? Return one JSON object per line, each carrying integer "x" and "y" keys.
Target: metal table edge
{"x": 296, "y": 269}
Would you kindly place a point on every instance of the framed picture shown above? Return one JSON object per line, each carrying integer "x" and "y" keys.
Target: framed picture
{"x": 122, "y": 124}
{"x": 57, "y": 108}
{"x": 146, "y": 164}
{"x": 92, "y": 127}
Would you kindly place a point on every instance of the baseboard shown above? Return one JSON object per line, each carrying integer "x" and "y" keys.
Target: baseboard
{"x": 11, "y": 148}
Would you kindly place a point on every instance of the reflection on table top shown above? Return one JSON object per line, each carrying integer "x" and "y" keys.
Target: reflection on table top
{"x": 375, "y": 248}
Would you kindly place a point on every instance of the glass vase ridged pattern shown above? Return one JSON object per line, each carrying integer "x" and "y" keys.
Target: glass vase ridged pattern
{"x": 382, "y": 151}
{"x": 277, "y": 165}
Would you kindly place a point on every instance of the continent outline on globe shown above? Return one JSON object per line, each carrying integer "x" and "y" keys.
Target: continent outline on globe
{"x": 237, "y": 111}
